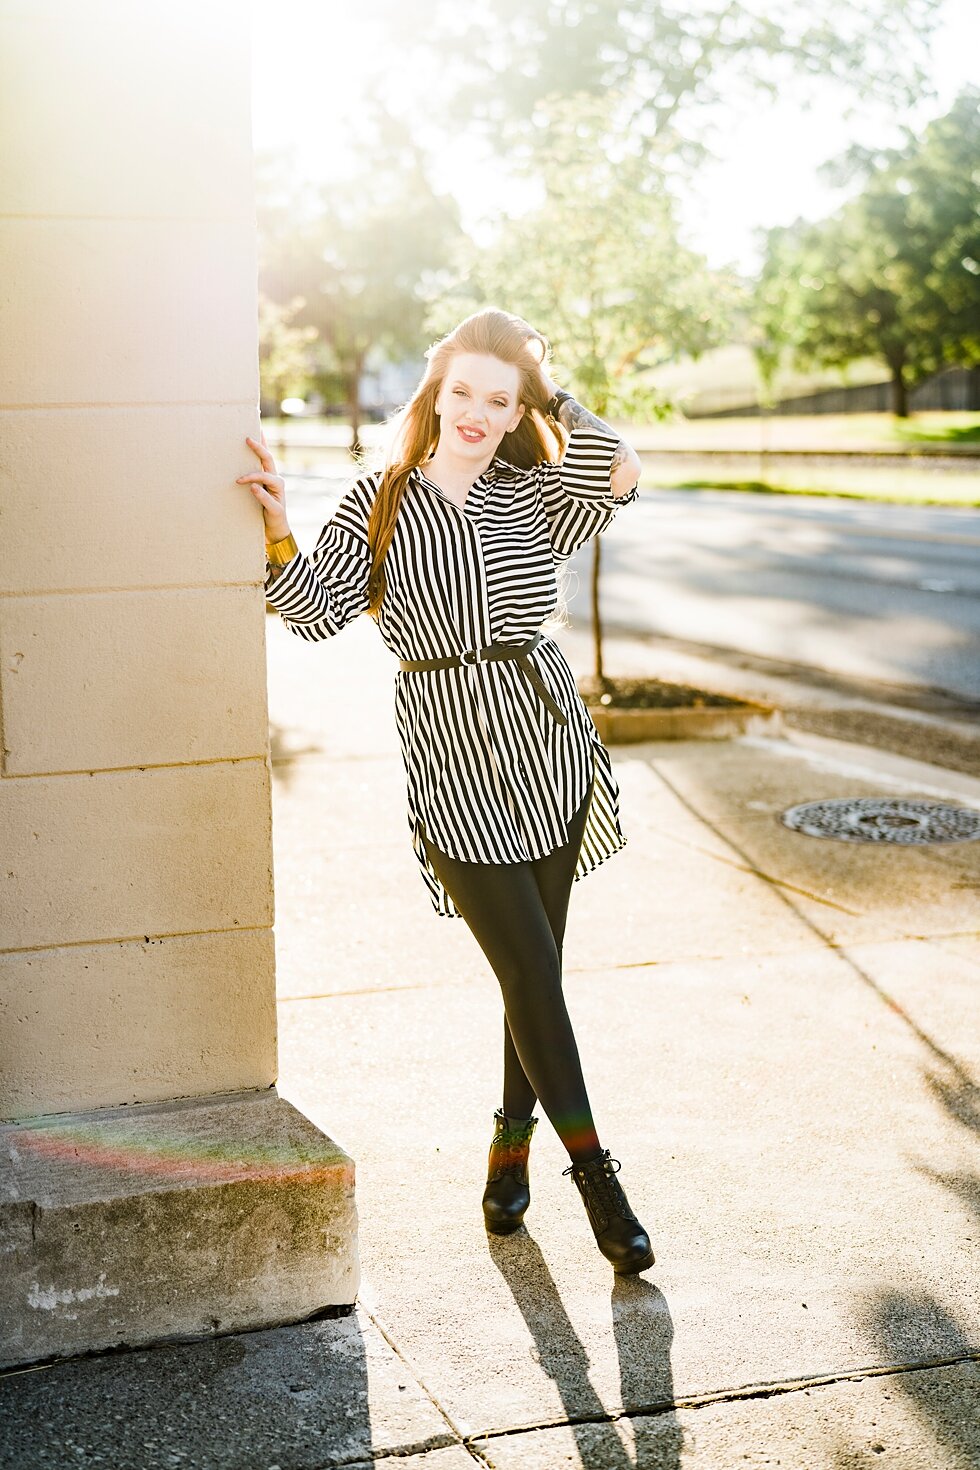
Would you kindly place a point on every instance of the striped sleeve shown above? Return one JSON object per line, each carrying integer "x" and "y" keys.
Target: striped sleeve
{"x": 318, "y": 595}
{"x": 578, "y": 500}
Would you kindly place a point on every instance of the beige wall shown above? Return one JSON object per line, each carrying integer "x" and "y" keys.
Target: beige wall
{"x": 135, "y": 840}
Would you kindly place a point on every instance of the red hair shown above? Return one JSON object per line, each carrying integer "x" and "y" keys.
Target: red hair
{"x": 537, "y": 436}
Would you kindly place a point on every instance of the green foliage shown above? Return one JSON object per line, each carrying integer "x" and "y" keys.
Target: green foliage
{"x": 287, "y": 361}
{"x": 358, "y": 260}
{"x": 668, "y": 62}
{"x": 894, "y": 274}
{"x": 597, "y": 267}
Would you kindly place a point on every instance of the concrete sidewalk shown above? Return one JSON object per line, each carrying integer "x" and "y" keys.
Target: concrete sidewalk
{"x": 781, "y": 1041}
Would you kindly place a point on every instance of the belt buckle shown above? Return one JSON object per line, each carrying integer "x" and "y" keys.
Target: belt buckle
{"x": 470, "y": 663}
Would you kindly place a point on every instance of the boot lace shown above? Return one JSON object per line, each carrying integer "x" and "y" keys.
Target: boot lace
{"x": 604, "y": 1191}
{"x": 510, "y": 1150}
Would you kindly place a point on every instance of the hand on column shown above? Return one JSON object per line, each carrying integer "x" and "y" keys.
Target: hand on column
{"x": 269, "y": 489}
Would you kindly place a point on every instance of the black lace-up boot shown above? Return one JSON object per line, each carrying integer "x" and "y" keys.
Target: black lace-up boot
{"x": 619, "y": 1234}
{"x": 507, "y": 1194}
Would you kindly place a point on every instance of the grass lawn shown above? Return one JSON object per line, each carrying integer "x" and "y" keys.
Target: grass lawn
{"x": 944, "y": 428}
{"x": 813, "y": 432}
{"x": 901, "y": 486}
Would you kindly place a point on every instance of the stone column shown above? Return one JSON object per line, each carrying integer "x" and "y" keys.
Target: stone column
{"x": 153, "y": 1182}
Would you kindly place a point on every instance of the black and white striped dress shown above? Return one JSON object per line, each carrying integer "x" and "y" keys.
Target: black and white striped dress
{"x": 492, "y": 776}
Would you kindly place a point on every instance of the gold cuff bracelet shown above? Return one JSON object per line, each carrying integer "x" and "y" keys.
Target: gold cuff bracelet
{"x": 279, "y": 553}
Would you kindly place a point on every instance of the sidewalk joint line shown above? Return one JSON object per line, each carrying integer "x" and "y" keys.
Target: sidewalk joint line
{"x": 834, "y": 945}
{"x": 391, "y": 1452}
{"x": 733, "y": 1395}
{"x": 816, "y": 947}
{"x": 372, "y": 990}
{"x": 459, "y": 1437}
{"x": 935, "y": 942}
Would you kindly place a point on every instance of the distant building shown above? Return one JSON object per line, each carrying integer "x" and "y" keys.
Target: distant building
{"x": 387, "y": 385}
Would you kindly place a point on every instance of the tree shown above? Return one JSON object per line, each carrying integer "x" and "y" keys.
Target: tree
{"x": 358, "y": 259}
{"x": 286, "y": 362}
{"x": 598, "y": 268}
{"x": 670, "y": 64}
{"x": 895, "y": 273}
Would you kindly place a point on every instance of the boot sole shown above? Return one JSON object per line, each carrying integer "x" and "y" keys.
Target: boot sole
{"x": 643, "y": 1265}
{"x": 503, "y": 1228}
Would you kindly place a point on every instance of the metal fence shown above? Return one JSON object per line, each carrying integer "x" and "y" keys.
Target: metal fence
{"x": 955, "y": 388}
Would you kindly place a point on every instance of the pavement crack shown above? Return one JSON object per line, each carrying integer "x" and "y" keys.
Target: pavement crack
{"x": 747, "y": 866}
{"x": 738, "y": 1394}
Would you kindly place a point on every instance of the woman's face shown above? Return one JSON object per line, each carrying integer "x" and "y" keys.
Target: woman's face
{"x": 478, "y": 404}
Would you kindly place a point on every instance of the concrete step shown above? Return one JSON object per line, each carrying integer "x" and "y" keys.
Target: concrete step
{"x": 161, "y": 1222}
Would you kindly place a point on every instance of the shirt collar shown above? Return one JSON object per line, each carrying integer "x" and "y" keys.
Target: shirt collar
{"x": 498, "y": 469}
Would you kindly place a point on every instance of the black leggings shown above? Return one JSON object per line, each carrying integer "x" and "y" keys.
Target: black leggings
{"x": 517, "y": 914}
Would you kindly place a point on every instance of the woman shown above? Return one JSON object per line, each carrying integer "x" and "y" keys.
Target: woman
{"x": 452, "y": 548}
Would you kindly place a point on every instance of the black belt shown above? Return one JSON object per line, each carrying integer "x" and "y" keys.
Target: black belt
{"x": 471, "y": 656}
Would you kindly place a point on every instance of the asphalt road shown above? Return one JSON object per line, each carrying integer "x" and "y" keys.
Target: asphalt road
{"x": 861, "y": 589}
{"x": 858, "y": 588}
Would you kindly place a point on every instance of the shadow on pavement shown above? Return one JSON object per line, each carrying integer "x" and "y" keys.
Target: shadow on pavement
{"x": 295, "y": 1395}
{"x": 643, "y": 1332}
{"x": 283, "y": 755}
{"x": 908, "y": 1328}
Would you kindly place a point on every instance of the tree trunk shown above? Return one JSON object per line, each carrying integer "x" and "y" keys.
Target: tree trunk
{"x": 596, "y": 617}
{"x": 354, "y": 405}
{"x": 900, "y": 392}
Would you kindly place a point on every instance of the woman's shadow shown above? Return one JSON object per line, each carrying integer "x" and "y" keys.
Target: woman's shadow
{"x": 643, "y": 1332}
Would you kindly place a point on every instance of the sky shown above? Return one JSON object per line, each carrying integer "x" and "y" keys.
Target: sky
{"x": 309, "y": 57}
{"x": 767, "y": 174}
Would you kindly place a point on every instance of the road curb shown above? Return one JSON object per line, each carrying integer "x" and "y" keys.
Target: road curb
{"x": 629, "y": 726}
{"x": 882, "y": 766}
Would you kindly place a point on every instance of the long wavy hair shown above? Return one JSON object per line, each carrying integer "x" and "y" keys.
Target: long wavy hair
{"x": 536, "y": 438}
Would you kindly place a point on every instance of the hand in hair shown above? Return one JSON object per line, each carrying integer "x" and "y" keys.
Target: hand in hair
{"x": 540, "y": 349}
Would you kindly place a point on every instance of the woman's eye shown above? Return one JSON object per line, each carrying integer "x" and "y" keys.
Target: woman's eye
{"x": 498, "y": 404}
{"x": 459, "y": 393}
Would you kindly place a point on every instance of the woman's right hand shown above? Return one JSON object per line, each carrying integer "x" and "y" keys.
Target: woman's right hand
{"x": 269, "y": 490}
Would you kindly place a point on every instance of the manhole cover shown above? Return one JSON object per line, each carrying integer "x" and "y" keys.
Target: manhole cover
{"x": 877, "y": 819}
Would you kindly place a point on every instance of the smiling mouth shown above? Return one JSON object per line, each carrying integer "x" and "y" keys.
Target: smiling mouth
{"x": 472, "y": 436}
